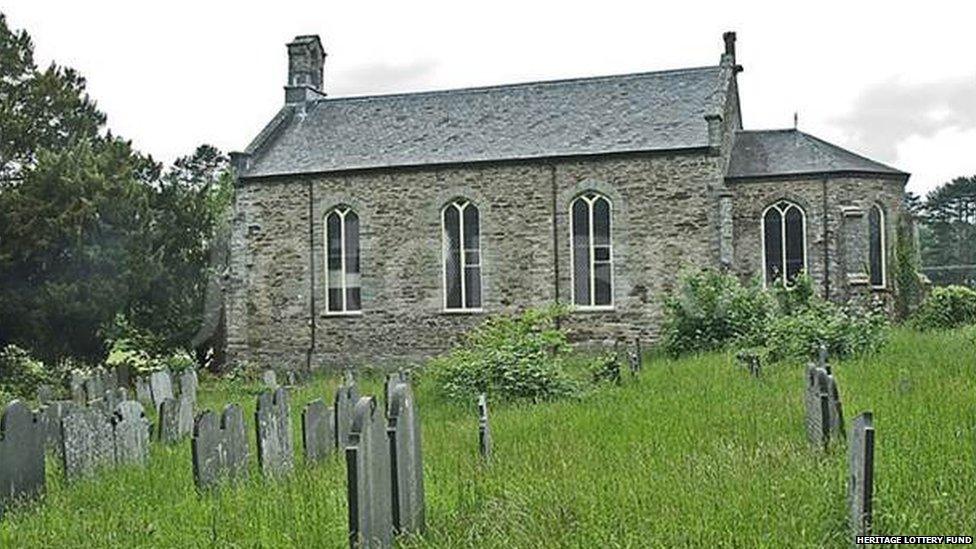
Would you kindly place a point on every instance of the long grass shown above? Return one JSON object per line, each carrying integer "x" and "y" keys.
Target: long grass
{"x": 693, "y": 453}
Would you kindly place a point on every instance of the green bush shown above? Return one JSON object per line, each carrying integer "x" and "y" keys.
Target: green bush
{"x": 20, "y": 373}
{"x": 946, "y": 307}
{"x": 509, "y": 357}
{"x": 846, "y": 332}
{"x": 711, "y": 310}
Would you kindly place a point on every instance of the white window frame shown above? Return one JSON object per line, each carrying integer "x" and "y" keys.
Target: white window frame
{"x": 884, "y": 250}
{"x": 782, "y": 228}
{"x": 460, "y": 204}
{"x": 341, "y": 211}
{"x": 590, "y": 197}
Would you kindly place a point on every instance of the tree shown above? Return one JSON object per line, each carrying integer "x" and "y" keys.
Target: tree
{"x": 949, "y": 238}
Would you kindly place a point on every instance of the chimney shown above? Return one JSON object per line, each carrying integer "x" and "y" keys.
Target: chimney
{"x": 729, "y": 38}
{"x": 306, "y": 61}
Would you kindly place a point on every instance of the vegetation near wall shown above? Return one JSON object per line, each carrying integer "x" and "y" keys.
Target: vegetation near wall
{"x": 946, "y": 307}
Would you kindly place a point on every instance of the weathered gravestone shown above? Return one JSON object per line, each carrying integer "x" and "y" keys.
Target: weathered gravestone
{"x": 88, "y": 442}
{"x": 391, "y": 381}
{"x": 822, "y": 357}
{"x": 51, "y": 415}
{"x": 112, "y": 398}
{"x": 169, "y": 421}
{"x": 270, "y": 379}
{"x": 219, "y": 447}
{"x": 77, "y": 388}
{"x": 131, "y": 434}
{"x": 484, "y": 428}
{"x": 21, "y": 455}
{"x": 161, "y": 387}
{"x": 369, "y": 490}
{"x": 345, "y": 402}
{"x": 188, "y": 387}
{"x": 824, "y": 416}
{"x": 184, "y": 423}
{"x": 123, "y": 375}
{"x": 94, "y": 390}
{"x": 860, "y": 488}
{"x": 634, "y": 357}
{"x": 143, "y": 392}
{"x": 110, "y": 379}
{"x": 317, "y": 435}
{"x": 275, "y": 453}
{"x": 45, "y": 394}
{"x": 407, "y": 461}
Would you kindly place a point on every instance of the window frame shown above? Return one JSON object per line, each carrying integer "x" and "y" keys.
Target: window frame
{"x": 783, "y": 244}
{"x": 342, "y": 210}
{"x": 882, "y": 248}
{"x": 592, "y": 252}
{"x": 463, "y": 253}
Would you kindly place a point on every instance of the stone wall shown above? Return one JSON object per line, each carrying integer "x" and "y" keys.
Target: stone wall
{"x": 662, "y": 205}
{"x": 836, "y": 227}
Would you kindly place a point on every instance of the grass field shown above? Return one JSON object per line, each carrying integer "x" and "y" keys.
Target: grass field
{"x": 694, "y": 453}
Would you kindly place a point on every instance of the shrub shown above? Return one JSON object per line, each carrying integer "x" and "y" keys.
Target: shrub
{"x": 946, "y": 307}
{"x": 511, "y": 357}
{"x": 909, "y": 290}
{"x": 796, "y": 334}
{"x": 712, "y": 310}
{"x": 20, "y": 373}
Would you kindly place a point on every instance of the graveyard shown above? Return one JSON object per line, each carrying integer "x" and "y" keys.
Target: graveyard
{"x": 691, "y": 451}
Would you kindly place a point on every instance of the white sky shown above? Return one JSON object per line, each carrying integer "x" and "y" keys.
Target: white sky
{"x": 894, "y": 82}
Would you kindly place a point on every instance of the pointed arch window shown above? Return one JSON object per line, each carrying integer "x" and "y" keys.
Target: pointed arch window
{"x": 876, "y": 246}
{"x": 784, "y": 230}
{"x": 591, "y": 251}
{"x": 342, "y": 261}
{"x": 461, "y": 234}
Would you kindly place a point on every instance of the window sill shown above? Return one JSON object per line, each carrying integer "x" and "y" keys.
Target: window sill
{"x": 342, "y": 314}
{"x": 594, "y": 309}
{"x": 478, "y": 311}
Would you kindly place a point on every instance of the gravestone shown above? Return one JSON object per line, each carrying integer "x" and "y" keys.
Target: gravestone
{"x": 317, "y": 437}
{"x": 860, "y": 488}
{"x": 484, "y": 428}
{"x": 835, "y": 413}
{"x": 270, "y": 379}
{"x": 634, "y": 357}
{"x": 290, "y": 378}
{"x": 108, "y": 378}
{"x": 188, "y": 388}
{"x": 77, "y": 388}
{"x": 391, "y": 382}
{"x": 131, "y": 434}
{"x": 94, "y": 390}
{"x": 45, "y": 394}
{"x": 369, "y": 489}
{"x": 822, "y": 357}
{"x": 88, "y": 442}
{"x": 123, "y": 376}
{"x": 143, "y": 392}
{"x": 51, "y": 415}
{"x": 184, "y": 423}
{"x": 219, "y": 447}
{"x": 21, "y": 455}
{"x": 345, "y": 402}
{"x": 275, "y": 453}
{"x": 407, "y": 461}
{"x": 113, "y": 397}
{"x": 169, "y": 421}
{"x": 824, "y": 416}
{"x": 161, "y": 387}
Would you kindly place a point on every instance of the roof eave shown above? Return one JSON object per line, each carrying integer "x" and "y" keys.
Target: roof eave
{"x": 903, "y": 176}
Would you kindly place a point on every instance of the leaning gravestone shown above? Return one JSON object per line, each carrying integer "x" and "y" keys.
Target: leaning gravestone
{"x": 169, "y": 421}
{"x": 270, "y": 379}
{"x": 161, "y": 387}
{"x": 861, "y": 481}
{"x": 21, "y": 455}
{"x": 88, "y": 442}
{"x": 407, "y": 466}
{"x": 131, "y": 434}
{"x": 368, "y": 471}
{"x": 219, "y": 447}
{"x": 188, "y": 386}
{"x": 817, "y": 407}
{"x": 484, "y": 428}
{"x": 345, "y": 402}
{"x": 275, "y": 454}
{"x": 317, "y": 435}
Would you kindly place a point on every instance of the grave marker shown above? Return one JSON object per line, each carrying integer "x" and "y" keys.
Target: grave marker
{"x": 160, "y": 387}
{"x": 143, "y": 392}
{"x": 131, "y": 434}
{"x": 45, "y": 394}
{"x": 345, "y": 402}
{"x": 275, "y": 454}
{"x": 188, "y": 388}
{"x": 484, "y": 428}
{"x": 634, "y": 357}
{"x": 369, "y": 489}
{"x": 88, "y": 442}
{"x": 21, "y": 455}
{"x": 317, "y": 435}
{"x": 219, "y": 447}
{"x": 169, "y": 421}
{"x": 94, "y": 390}
{"x": 861, "y": 480}
{"x": 270, "y": 379}
{"x": 817, "y": 407}
{"x": 407, "y": 462}
{"x": 77, "y": 387}
{"x": 51, "y": 415}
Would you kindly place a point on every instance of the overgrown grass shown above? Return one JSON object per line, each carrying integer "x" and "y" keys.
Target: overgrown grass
{"x": 694, "y": 453}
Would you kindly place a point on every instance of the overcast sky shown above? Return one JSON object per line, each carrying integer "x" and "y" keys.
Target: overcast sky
{"x": 894, "y": 82}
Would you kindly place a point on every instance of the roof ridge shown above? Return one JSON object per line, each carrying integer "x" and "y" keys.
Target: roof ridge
{"x": 820, "y": 143}
{"x": 528, "y": 84}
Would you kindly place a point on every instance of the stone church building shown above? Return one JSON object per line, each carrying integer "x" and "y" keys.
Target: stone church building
{"x": 379, "y": 229}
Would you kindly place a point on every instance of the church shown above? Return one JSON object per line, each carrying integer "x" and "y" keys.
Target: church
{"x": 379, "y": 229}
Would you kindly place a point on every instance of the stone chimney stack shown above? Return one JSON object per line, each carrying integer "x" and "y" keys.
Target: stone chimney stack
{"x": 306, "y": 62}
{"x": 729, "y": 38}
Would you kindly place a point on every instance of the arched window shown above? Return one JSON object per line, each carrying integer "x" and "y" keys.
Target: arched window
{"x": 592, "y": 254}
{"x": 342, "y": 261}
{"x": 462, "y": 256}
{"x": 876, "y": 249}
{"x": 784, "y": 242}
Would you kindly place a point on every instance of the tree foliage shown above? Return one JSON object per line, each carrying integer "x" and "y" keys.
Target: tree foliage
{"x": 949, "y": 235}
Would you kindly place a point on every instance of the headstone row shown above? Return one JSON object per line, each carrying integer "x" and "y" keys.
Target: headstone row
{"x": 92, "y": 440}
{"x": 91, "y": 388}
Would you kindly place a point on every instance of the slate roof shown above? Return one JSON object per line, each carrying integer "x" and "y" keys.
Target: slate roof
{"x": 769, "y": 153}
{"x": 634, "y": 112}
